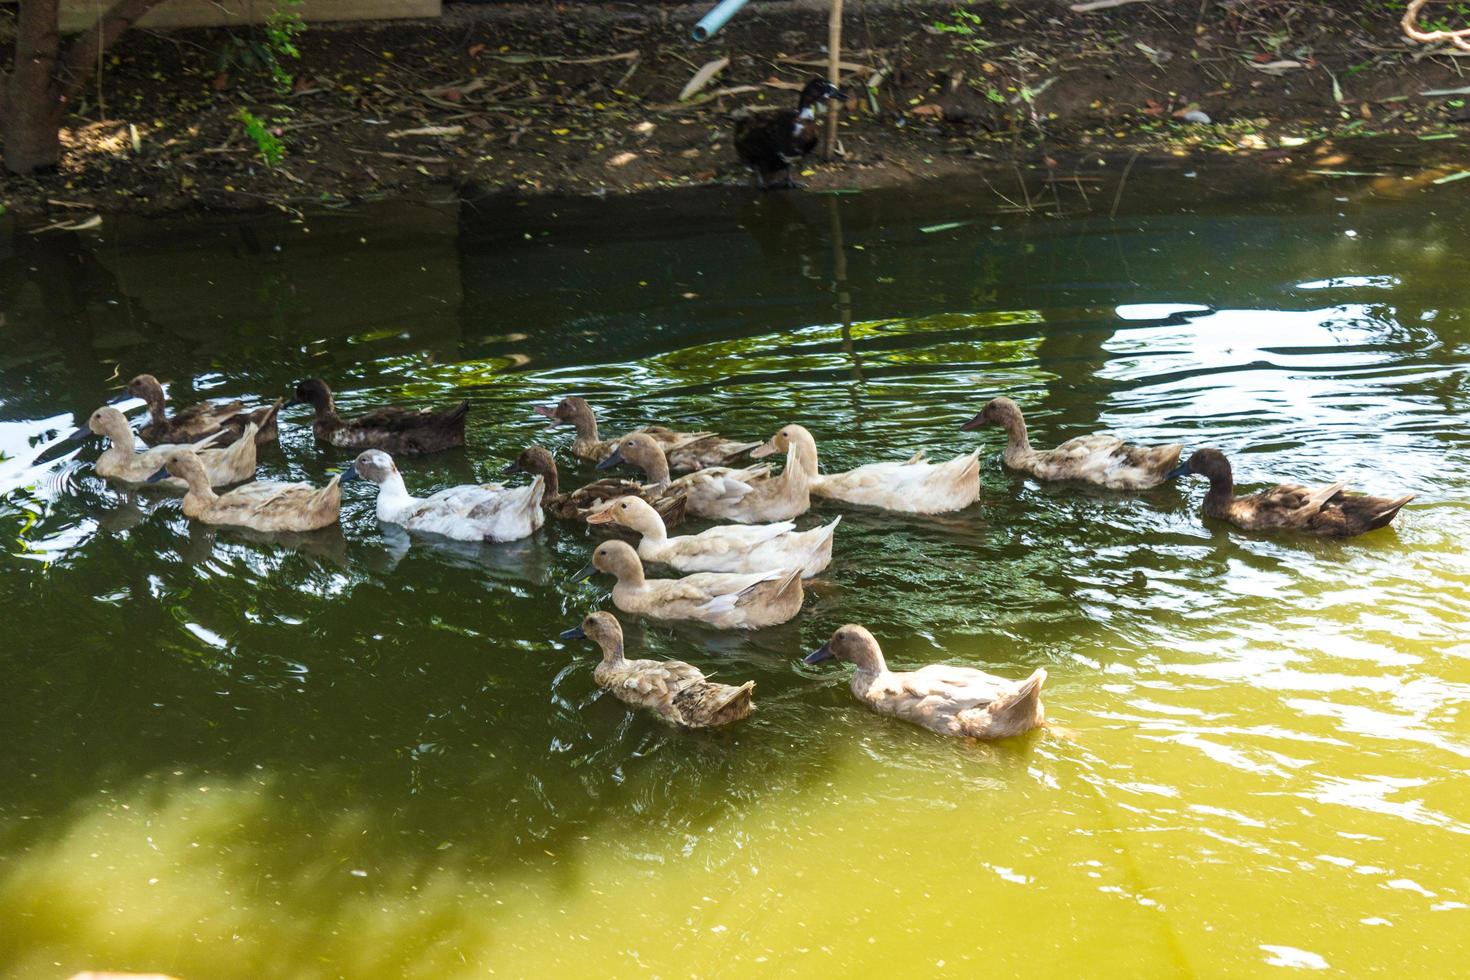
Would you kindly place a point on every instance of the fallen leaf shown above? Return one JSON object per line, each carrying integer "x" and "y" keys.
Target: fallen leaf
{"x": 702, "y": 77}
{"x": 622, "y": 159}
{"x": 929, "y": 110}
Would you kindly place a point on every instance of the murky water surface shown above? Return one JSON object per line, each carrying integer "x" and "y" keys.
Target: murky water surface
{"x": 353, "y": 754}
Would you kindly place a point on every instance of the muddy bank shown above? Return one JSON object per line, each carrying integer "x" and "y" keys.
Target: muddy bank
{"x": 508, "y": 98}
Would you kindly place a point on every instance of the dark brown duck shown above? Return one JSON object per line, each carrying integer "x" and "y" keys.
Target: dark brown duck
{"x": 393, "y": 429}
{"x": 193, "y": 423}
{"x": 1329, "y": 511}
{"x": 582, "y": 503}
{"x": 770, "y": 143}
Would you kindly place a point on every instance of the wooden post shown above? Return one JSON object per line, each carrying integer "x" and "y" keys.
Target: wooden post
{"x": 834, "y": 75}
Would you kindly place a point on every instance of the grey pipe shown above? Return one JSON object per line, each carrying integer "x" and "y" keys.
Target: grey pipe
{"x": 710, "y": 23}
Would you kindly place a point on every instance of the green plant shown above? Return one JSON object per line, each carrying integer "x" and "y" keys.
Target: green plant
{"x": 272, "y": 150}
{"x": 268, "y": 47}
{"x": 965, "y": 24}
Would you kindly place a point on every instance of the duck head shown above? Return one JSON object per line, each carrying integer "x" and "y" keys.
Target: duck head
{"x": 1210, "y": 463}
{"x": 639, "y": 449}
{"x": 793, "y": 440}
{"x": 616, "y": 558}
{"x": 146, "y": 387}
{"x": 634, "y": 512}
{"x": 106, "y": 421}
{"x": 998, "y": 411}
{"x": 601, "y": 628}
{"x": 853, "y": 644}
{"x": 371, "y": 464}
{"x": 185, "y": 465}
{"x": 569, "y": 411}
{"x": 537, "y": 461}
{"x": 819, "y": 90}
{"x": 314, "y": 392}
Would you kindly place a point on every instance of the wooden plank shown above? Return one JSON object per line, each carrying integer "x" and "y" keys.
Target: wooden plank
{"x": 77, "y": 15}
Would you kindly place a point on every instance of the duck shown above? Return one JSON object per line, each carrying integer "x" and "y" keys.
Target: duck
{"x": 954, "y": 701}
{"x": 914, "y": 486}
{"x": 746, "y": 496}
{"x": 394, "y": 428}
{"x": 582, "y": 503}
{"x": 770, "y": 142}
{"x": 685, "y": 450}
{"x": 122, "y": 461}
{"x": 1327, "y": 511}
{"x": 261, "y": 506}
{"x": 1104, "y": 460}
{"x": 726, "y": 548}
{"x": 745, "y": 601}
{"x": 677, "y": 692}
{"x": 197, "y": 421}
{"x": 488, "y": 512}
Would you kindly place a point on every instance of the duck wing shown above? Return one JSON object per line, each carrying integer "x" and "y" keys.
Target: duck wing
{"x": 396, "y": 418}
{"x": 707, "y": 704}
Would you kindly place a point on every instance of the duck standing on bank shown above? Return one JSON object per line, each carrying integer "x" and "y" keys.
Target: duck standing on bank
{"x": 675, "y": 691}
{"x": 727, "y": 548}
{"x": 393, "y": 428}
{"x": 749, "y": 496}
{"x": 580, "y": 504}
{"x": 770, "y": 142}
{"x": 724, "y": 601}
{"x": 911, "y": 487}
{"x": 956, "y": 701}
{"x": 197, "y": 421}
{"x": 1328, "y": 511}
{"x": 1100, "y": 459}
{"x": 685, "y": 450}
{"x": 123, "y": 462}
{"x": 262, "y": 505}
{"x": 487, "y": 512}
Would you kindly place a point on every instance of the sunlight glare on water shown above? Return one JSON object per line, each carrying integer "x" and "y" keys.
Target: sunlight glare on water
{"x": 353, "y": 753}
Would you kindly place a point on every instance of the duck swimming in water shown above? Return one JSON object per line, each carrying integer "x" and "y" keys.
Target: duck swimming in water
{"x": 1101, "y": 459}
{"x": 912, "y": 487}
{"x": 770, "y": 142}
{"x": 675, "y": 691}
{"x": 727, "y": 548}
{"x": 582, "y": 503}
{"x": 123, "y": 462}
{"x": 958, "y": 701}
{"x": 1328, "y": 511}
{"x": 262, "y": 505}
{"x": 723, "y": 601}
{"x": 488, "y": 512}
{"x": 685, "y": 450}
{"x": 394, "y": 429}
{"x": 749, "y": 496}
{"x": 197, "y": 421}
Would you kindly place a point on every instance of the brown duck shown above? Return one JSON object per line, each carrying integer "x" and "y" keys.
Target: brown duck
{"x": 582, "y": 503}
{"x": 1328, "y": 511}
{"x": 685, "y": 450}
{"x": 197, "y": 421}
{"x": 675, "y": 691}
{"x": 394, "y": 429}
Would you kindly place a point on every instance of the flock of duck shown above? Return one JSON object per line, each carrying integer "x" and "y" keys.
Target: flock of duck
{"x": 745, "y": 572}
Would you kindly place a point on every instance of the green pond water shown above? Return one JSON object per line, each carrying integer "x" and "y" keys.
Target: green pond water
{"x": 357, "y": 754}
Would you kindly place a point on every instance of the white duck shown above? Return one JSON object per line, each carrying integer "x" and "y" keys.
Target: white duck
{"x": 122, "y": 461}
{"x": 960, "y": 701}
{"x": 723, "y": 601}
{"x": 727, "y": 548}
{"x": 750, "y": 496}
{"x": 911, "y": 487}
{"x": 489, "y": 512}
{"x": 1101, "y": 459}
{"x": 262, "y": 504}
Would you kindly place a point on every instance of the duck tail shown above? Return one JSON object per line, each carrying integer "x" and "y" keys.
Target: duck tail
{"x": 267, "y": 429}
{"x": 1021, "y": 710}
{"x": 1379, "y": 511}
{"x": 730, "y": 703}
{"x": 454, "y": 418}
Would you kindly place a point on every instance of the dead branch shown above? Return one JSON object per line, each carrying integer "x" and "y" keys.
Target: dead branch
{"x": 1460, "y": 38}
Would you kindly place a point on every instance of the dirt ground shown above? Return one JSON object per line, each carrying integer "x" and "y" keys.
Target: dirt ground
{"x": 585, "y": 99}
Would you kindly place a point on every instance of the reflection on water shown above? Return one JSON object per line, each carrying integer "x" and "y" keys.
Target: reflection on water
{"x": 357, "y": 753}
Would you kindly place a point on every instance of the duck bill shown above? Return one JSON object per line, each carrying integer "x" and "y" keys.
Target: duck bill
{"x": 513, "y": 466}
{"x": 823, "y": 652}
{"x": 158, "y": 477}
{"x": 614, "y": 458}
{"x": 120, "y": 397}
{"x": 604, "y": 516}
{"x": 1181, "y": 470}
{"x": 763, "y": 450}
{"x": 975, "y": 423}
{"x": 588, "y": 570}
{"x": 575, "y": 633}
{"x": 64, "y": 446}
{"x": 549, "y": 413}
{"x": 293, "y": 401}
{"x": 350, "y": 474}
